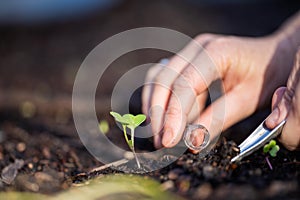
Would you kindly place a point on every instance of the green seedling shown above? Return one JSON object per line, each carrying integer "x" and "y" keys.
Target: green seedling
{"x": 272, "y": 148}
{"x": 131, "y": 122}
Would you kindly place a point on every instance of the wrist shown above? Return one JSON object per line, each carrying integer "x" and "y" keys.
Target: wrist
{"x": 285, "y": 49}
{"x": 282, "y": 60}
{"x": 289, "y": 34}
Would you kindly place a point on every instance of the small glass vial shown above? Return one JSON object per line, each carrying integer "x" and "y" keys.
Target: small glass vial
{"x": 192, "y": 139}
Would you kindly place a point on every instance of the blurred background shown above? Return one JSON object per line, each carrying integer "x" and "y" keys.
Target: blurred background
{"x": 44, "y": 42}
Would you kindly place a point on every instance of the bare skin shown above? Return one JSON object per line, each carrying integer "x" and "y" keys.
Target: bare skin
{"x": 250, "y": 69}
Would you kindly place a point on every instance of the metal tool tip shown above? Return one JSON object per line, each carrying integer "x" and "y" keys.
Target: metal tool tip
{"x": 236, "y": 158}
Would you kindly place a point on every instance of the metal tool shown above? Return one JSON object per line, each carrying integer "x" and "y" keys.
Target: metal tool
{"x": 257, "y": 139}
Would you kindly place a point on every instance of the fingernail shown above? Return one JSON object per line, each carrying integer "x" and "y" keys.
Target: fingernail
{"x": 275, "y": 114}
{"x": 271, "y": 121}
{"x": 167, "y": 138}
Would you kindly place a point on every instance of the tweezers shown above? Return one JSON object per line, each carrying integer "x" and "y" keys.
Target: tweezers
{"x": 259, "y": 137}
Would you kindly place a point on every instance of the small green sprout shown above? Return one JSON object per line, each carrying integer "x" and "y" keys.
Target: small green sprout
{"x": 131, "y": 122}
{"x": 272, "y": 148}
{"x": 104, "y": 126}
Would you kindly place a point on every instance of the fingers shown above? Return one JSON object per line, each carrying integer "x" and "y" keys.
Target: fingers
{"x": 193, "y": 81}
{"x": 177, "y": 63}
{"x": 277, "y": 96}
{"x": 148, "y": 87}
{"x": 280, "y": 108}
{"x": 290, "y": 136}
{"x": 163, "y": 81}
{"x": 197, "y": 108}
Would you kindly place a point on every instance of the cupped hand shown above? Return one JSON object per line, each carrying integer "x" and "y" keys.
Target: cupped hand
{"x": 249, "y": 68}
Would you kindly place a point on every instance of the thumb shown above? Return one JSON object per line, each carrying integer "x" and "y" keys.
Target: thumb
{"x": 223, "y": 113}
{"x": 280, "y": 107}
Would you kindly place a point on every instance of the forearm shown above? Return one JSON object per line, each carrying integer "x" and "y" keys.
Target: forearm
{"x": 286, "y": 40}
{"x": 289, "y": 32}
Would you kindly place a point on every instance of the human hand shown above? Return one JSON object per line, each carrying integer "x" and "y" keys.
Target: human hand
{"x": 248, "y": 67}
{"x": 286, "y": 106}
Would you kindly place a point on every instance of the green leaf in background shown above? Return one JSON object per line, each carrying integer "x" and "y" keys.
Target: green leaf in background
{"x": 104, "y": 126}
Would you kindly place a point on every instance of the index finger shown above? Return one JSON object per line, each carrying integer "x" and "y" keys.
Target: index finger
{"x": 195, "y": 79}
{"x": 165, "y": 79}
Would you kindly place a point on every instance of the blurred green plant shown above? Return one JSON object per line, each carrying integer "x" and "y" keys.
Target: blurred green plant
{"x": 131, "y": 122}
{"x": 104, "y": 126}
{"x": 107, "y": 187}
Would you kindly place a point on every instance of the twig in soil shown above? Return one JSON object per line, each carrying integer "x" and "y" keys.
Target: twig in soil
{"x": 269, "y": 163}
{"x": 116, "y": 163}
{"x": 290, "y": 163}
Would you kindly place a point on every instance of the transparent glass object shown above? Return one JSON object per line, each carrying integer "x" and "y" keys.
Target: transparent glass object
{"x": 192, "y": 137}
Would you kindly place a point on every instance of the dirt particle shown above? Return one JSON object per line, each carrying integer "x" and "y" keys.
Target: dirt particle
{"x": 203, "y": 191}
{"x": 168, "y": 185}
{"x": 183, "y": 183}
{"x": 258, "y": 172}
{"x": 30, "y": 165}
{"x": 208, "y": 171}
{"x": 21, "y": 147}
{"x": 46, "y": 152}
{"x": 10, "y": 172}
{"x": 43, "y": 177}
{"x": 173, "y": 174}
{"x": 27, "y": 109}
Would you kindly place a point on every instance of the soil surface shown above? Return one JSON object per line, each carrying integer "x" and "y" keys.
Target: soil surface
{"x": 40, "y": 150}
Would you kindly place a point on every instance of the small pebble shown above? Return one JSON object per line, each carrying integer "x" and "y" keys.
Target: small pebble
{"x": 32, "y": 186}
{"x": 21, "y": 147}
{"x": 203, "y": 191}
{"x": 173, "y": 174}
{"x": 189, "y": 161}
{"x": 46, "y": 152}
{"x": 167, "y": 185}
{"x": 279, "y": 187}
{"x": 258, "y": 172}
{"x": 43, "y": 177}
{"x": 233, "y": 166}
{"x": 214, "y": 164}
{"x": 183, "y": 183}
{"x": 250, "y": 172}
{"x": 208, "y": 171}
{"x": 128, "y": 155}
{"x": 35, "y": 159}
{"x": 30, "y": 165}
{"x": 236, "y": 149}
{"x": 27, "y": 109}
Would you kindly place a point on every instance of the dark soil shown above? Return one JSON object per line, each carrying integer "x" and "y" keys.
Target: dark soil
{"x": 40, "y": 150}
{"x": 214, "y": 177}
